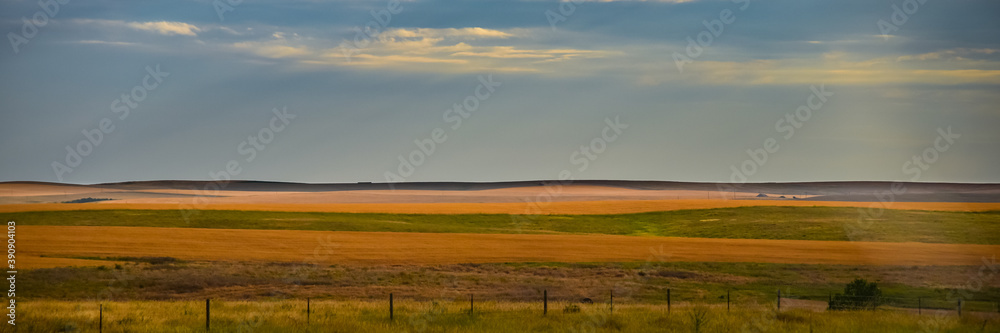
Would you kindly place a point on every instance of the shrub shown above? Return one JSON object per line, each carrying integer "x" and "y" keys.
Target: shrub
{"x": 87, "y": 199}
{"x": 612, "y": 324}
{"x": 699, "y": 317}
{"x": 858, "y": 295}
{"x": 790, "y": 317}
{"x": 572, "y": 308}
{"x": 68, "y": 327}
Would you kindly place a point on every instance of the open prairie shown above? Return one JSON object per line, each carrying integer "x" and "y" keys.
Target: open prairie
{"x": 537, "y": 166}
{"x": 259, "y": 248}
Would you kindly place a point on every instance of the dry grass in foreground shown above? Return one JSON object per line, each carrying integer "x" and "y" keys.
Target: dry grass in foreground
{"x": 366, "y": 248}
{"x": 453, "y": 316}
{"x": 634, "y": 282}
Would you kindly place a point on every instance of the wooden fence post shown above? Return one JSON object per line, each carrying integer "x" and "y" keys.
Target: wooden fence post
{"x": 472, "y": 304}
{"x": 100, "y": 321}
{"x": 920, "y": 306}
{"x": 959, "y": 307}
{"x": 779, "y": 300}
{"x": 668, "y": 300}
{"x": 308, "y": 308}
{"x": 727, "y": 300}
{"x": 208, "y": 315}
{"x": 612, "y": 301}
{"x": 390, "y": 306}
{"x": 545, "y": 302}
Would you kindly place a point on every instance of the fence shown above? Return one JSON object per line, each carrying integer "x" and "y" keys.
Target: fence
{"x": 732, "y": 298}
{"x": 915, "y": 303}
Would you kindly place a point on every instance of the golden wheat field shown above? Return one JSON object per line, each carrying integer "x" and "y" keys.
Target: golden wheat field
{"x": 50, "y": 244}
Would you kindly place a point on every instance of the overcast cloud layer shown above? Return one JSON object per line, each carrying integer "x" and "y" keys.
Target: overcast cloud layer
{"x": 562, "y": 75}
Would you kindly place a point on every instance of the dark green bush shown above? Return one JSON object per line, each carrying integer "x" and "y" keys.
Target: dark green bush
{"x": 858, "y": 295}
{"x": 572, "y": 308}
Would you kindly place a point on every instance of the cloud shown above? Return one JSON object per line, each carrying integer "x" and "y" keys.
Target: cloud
{"x": 952, "y": 54}
{"x": 166, "y": 28}
{"x": 273, "y": 49}
{"x": 450, "y": 50}
{"x": 468, "y": 49}
{"x": 834, "y": 70}
{"x": 463, "y": 33}
{"x": 103, "y": 42}
{"x": 229, "y": 30}
{"x": 530, "y": 50}
{"x": 367, "y": 59}
{"x": 510, "y": 52}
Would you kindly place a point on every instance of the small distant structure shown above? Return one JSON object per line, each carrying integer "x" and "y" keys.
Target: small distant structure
{"x": 86, "y": 200}
{"x": 364, "y": 182}
{"x": 761, "y": 195}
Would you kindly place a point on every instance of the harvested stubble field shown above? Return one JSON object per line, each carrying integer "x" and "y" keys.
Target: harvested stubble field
{"x": 449, "y": 248}
{"x": 772, "y": 234}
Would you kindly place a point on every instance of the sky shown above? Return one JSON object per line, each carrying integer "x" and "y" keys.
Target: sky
{"x": 425, "y": 90}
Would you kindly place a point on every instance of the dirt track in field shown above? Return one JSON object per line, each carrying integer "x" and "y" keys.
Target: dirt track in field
{"x": 562, "y": 207}
{"x": 41, "y": 245}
